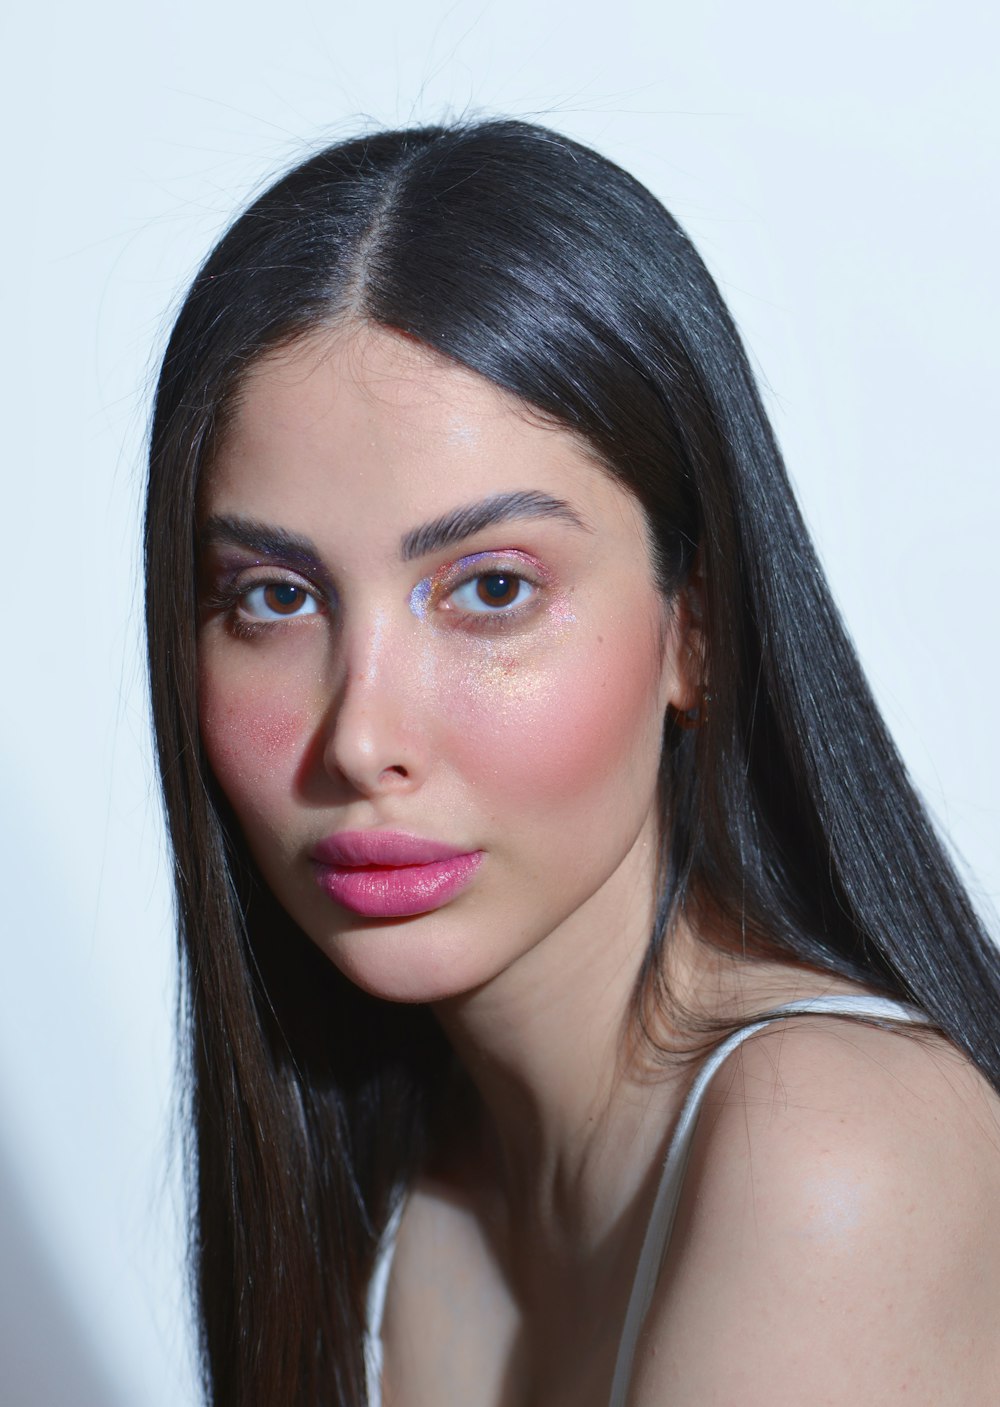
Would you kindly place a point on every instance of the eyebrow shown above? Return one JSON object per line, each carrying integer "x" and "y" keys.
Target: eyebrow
{"x": 472, "y": 518}
{"x": 267, "y": 541}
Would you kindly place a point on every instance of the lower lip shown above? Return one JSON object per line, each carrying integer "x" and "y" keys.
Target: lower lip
{"x": 398, "y": 891}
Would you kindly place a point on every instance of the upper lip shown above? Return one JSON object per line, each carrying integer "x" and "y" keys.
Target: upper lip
{"x": 386, "y": 848}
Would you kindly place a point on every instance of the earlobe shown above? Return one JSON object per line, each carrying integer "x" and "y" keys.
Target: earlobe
{"x": 691, "y": 718}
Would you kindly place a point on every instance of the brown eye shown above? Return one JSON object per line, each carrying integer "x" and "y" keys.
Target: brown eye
{"x": 497, "y": 589}
{"x": 492, "y": 593}
{"x": 284, "y": 599}
{"x": 275, "y": 599}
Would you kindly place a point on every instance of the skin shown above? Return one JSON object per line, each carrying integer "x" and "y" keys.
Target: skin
{"x": 383, "y": 698}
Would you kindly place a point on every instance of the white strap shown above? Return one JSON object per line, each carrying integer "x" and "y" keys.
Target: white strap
{"x": 377, "y": 1288}
{"x": 671, "y": 1180}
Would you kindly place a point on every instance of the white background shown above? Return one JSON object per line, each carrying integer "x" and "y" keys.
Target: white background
{"x": 836, "y": 165}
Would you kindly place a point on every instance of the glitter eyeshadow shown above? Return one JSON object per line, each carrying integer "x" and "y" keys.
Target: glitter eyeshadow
{"x": 426, "y": 593}
{"x": 420, "y": 597}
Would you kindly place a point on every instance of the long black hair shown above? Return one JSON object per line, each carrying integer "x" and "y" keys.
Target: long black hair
{"x": 789, "y": 827}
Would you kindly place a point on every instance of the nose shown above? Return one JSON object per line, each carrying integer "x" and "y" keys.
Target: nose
{"x": 372, "y": 739}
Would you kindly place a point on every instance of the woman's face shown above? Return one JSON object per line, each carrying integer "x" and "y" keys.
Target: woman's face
{"x": 433, "y": 665}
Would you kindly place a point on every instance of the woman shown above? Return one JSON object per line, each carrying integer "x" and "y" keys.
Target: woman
{"x": 515, "y": 759}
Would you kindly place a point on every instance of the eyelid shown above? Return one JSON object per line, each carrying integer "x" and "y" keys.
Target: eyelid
{"x": 502, "y": 559}
{"x": 269, "y": 573}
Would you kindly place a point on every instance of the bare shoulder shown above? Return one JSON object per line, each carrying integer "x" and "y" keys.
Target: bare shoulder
{"x": 450, "y": 1325}
{"x": 838, "y": 1239}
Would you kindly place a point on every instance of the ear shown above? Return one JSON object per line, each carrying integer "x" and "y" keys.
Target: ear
{"x": 684, "y": 650}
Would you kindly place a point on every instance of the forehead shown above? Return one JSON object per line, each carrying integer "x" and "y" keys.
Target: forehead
{"x": 375, "y": 428}
{"x": 365, "y": 372}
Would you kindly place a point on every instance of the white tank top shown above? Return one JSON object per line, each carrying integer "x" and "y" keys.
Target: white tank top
{"x": 661, "y": 1220}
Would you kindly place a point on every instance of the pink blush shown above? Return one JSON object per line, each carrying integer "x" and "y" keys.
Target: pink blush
{"x": 563, "y": 729}
{"x": 251, "y": 738}
{"x": 271, "y": 735}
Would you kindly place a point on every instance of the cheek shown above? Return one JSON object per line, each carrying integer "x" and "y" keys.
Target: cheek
{"x": 589, "y": 722}
{"x": 254, "y": 742}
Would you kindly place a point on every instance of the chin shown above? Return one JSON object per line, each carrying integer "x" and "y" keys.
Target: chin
{"x": 417, "y": 959}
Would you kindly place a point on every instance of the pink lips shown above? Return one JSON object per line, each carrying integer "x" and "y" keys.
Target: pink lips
{"x": 389, "y": 874}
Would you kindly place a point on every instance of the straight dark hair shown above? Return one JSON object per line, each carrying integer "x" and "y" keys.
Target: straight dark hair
{"x": 790, "y": 829}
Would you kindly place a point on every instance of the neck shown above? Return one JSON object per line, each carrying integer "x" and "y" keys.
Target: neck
{"x": 572, "y": 1128}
